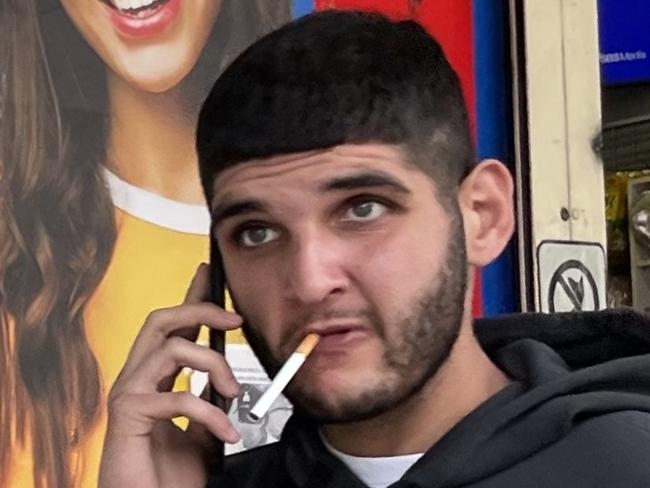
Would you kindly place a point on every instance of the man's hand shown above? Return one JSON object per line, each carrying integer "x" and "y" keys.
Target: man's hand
{"x": 143, "y": 447}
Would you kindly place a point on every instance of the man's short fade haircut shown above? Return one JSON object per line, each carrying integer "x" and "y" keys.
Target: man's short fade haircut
{"x": 338, "y": 77}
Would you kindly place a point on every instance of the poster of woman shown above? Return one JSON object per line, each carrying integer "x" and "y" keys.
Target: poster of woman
{"x": 102, "y": 218}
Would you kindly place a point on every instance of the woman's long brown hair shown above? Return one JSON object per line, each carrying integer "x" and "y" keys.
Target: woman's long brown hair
{"x": 57, "y": 228}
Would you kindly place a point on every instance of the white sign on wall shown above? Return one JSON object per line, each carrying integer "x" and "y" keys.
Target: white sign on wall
{"x": 572, "y": 276}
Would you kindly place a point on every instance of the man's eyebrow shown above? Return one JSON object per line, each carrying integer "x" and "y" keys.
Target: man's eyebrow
{"x": 364, "y": 179}
{"x": 233, "y": 209}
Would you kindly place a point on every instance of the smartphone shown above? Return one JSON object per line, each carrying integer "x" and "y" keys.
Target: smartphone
{"x": 217, "y": 343}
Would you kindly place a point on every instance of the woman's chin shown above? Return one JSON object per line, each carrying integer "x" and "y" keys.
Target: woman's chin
{"x": 154, "y": 78}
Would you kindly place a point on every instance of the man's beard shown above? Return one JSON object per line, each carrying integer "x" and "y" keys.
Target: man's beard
{"x": 414, "y": 349}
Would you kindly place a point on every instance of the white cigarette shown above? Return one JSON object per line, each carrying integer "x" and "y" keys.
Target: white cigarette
{"x": 284, "y": 376}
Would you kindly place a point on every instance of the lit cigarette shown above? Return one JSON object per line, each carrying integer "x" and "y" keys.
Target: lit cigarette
{"x": 284, "y": 376}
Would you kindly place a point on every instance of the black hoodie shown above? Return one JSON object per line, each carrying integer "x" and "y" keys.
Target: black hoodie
{"x": 576, "y": 415}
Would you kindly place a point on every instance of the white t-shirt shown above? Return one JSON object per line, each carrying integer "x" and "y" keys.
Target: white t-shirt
{"x": 376, "y": 472}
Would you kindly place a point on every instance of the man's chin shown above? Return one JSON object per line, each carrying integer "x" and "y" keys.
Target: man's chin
{"x": 328, "y": 412}
{"x": 330, "y": 405}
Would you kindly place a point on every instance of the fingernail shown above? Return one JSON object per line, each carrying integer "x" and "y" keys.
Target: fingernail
{"x": 232, "y": 436}
{"x": 234, "y": 319}
{"x": 234, "y": 389}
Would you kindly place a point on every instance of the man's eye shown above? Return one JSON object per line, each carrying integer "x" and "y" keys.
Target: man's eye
{"x": 365, "y": 211}
{"x": 256, "y": 236}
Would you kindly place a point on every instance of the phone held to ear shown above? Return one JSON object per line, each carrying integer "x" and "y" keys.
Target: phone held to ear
{"x": 217, "y": 343}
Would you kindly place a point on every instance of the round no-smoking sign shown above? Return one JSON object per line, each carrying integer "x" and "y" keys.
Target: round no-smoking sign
{"x": 573, "y": 288}
{"x": 571, "y": 276}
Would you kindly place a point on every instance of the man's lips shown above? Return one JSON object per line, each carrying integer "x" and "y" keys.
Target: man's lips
{"x": 328, "y": 330}
{"x": 336, "y": 338}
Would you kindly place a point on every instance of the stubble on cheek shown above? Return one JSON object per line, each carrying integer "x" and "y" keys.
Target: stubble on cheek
{"x": 411, "y": 351}
{"x": 255, "y": 339}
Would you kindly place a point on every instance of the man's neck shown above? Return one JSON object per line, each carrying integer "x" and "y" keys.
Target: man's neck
{"x": 151, "y": 141}
{"x": 467, "y": 379}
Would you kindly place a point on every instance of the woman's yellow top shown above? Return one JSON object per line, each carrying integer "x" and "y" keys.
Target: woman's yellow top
{"x": 159, "y": 245}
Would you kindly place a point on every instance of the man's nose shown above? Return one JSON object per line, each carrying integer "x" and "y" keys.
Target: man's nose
{"x": 315, "y": 268}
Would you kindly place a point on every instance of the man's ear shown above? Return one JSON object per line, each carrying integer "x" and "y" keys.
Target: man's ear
{"x": 486, "y": 204}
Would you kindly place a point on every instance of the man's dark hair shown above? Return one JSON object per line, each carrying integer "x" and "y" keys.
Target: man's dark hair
{"x": 337, "y": 77}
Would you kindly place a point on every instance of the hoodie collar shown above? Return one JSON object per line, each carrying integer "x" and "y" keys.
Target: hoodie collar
{"x": 565, "y": 367}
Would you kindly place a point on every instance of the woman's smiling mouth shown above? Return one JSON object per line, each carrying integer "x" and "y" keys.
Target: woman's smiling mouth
{"x": 141, "y": 19}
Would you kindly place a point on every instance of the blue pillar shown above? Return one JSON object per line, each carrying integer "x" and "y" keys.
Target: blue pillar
{"x": 495, "y": 135}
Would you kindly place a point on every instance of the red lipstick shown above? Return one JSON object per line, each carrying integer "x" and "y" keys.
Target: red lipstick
{"x": 147, "y": 21}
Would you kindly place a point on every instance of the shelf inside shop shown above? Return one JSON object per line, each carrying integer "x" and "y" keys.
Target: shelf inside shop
{"x": 624, "y": 143}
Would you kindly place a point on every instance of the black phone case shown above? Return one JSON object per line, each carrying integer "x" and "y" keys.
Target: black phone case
{"x": 217, "y": 343}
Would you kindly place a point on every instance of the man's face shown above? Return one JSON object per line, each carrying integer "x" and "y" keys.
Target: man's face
{"x": 351, "y": 243}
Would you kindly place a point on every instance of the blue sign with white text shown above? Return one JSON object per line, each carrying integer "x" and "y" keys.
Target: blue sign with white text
{"x": 624, "y": 41}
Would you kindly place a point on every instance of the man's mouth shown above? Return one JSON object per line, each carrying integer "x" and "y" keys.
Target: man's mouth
{"x": 337, "y": 338}
{"x": 332, "y": 330}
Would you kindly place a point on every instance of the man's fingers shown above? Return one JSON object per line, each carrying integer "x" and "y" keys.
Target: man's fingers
{"x": 183, "y": 320}
{"x": 165, "y": 406}
{"x": 160, "y": 369}
{"x": 201, "y": 435}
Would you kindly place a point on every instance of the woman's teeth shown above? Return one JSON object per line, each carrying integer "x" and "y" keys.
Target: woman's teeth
{"x": 133, "y": 4}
